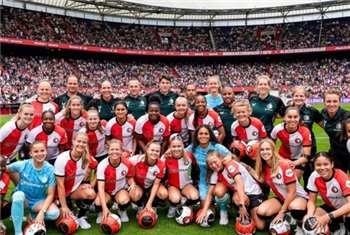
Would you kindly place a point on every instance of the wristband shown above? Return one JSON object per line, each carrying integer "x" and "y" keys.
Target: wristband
{"x": 307, "y": 156}
{"x": 331, "y": 216}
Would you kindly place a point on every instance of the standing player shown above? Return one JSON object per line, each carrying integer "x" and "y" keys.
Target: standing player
{"x": 178, "y": 120}
{"x": 43, "y": 103}
{"x": 35, "y": 190}
{"x": 105, "y": 103}
{"x": 295, "y": 141}
{"x": 72, "y": 84}
{"x": 179, "y": 182}
{"x": 70, "y": 169}
{"x": 333, "y": 116}
{"x": 121, "y": 129}
{"x": 334, "y": 188}
{"x": 96, "y": 130}
{"x": 54, "y": 136}
{"x": 152, "y": 126}
{"x": 72, "y": 118}
{"x": 167, "y": 96}
{"x": 214, "y": 97}
{"x": 202, "y": 115}
{"x": 115, "y": 183}
{"x": 149, "y": 171}
{"x": 265, "y": 106}
{"x": 136, "y": 104}
{"x": 225, "y": 112}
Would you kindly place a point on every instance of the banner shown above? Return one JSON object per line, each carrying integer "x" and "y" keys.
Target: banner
{"x": 25, "y": 42}
{"x": 316, "y": 100}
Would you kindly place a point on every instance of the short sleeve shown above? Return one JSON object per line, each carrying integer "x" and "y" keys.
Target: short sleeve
{"x": 214, "y": 178}
{"x": 17, "y": 166}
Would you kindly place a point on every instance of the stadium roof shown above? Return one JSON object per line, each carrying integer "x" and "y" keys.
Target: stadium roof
{"x": 200, "y": 10}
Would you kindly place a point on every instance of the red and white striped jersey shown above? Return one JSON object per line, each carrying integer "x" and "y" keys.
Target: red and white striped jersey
{"x": 292, "y": 144}
{"x": 212, "y": 119}
{"x": 150, "y": 131}
{"x": 114, "y": 176}
{"x": 72, "y": 126}
{"x": 145, "y": 175}
{"x": 254, "y": 131}
{"x": 4, "y": 183}
{"x": 334, "y": 191}
{"x": 178, "y": 171}
{"x": 285, "y": 176}
{"x": 53, "y": 140}
{"x": 39, "y": 108}
{"x": 72, "y": 170}
{"x": 231, "y": 169}
{"x": 123, "y": 132}
{"x": 97, "y": 140}
{"x": 12, "y": 139}
{"x": 178, "y": 126}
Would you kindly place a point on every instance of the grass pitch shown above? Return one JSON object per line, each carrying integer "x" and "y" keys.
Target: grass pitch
{"x": 164, "y": 225}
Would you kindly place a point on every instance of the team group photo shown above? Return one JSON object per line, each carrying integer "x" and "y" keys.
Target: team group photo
{"x": 161, "y": 126}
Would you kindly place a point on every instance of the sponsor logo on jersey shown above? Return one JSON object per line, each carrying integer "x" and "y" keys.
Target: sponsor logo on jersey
{"x": 231, "y": 169}
{"x": 25, "y": 137}
{"x": 334, "y": 189}
{"x": 289, "y": 172}
{"x": 306, "y": 118}
{"x": 338, "y": 126}
{"x": 155, "y": 173}
{"x": 210, "y": 124}
{"x": 161, "y": 130}
{"x": 171, "y": 101}
{"x": 255, "y": 133}
{"x": 278, "y": 176}
{"x": 269, "y": 106}
{"x": 129, "y": 129}
{"x": 123, "y": 172}
{"x": 55, "y": 140}
{"x": 81, "y": 124}
{"x": 142, "y": 103}
{"x": 297, "y": 140}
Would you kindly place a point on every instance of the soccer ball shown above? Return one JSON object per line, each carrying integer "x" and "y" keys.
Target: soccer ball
{"x": 210, "y": 218}
{"x": 67, "y": 225}
{"x": 184, "y": 216}
{"x": 147, "y": 219}
{"x": 246, "y": 227}
{"x": 282, "y": 228}
{"x": 252, "y": 148}
{"x": 307, "y": 227}
{"x": 34, "y": 229}
{"x": 238, "y": 147}
{"x": 111, "y": 224}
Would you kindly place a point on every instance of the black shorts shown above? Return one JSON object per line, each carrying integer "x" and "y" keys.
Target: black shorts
{"x": 301, "y": 167}
{"x": 255, "y": 200}
{"x": 100, "y": 158}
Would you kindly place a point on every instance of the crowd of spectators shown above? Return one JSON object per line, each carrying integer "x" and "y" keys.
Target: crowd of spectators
{"x": 19, "y": 23}
{"x": 19, "y": 76}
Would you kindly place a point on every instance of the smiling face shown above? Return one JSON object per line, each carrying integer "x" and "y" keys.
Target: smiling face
{"x": 80, "y": 143}
{"x": 324, "y": 167}
{"x": 347, "y": 128}
{"x": 299, "y": 97}
{"x": 134, "y": 88}
{"x": 48, "y": 120}
{"x": 153, "y": 112}
{"x": 181, "y": 105}
{"x": 106, "y": 89}
{"x": 213, "y": 85}
{"x": 120, "y": 111}
{"x": 92, "y": 120}
{"x": 332, "y": 103}
{"x": 38, "y": 152}
{"x": 153, "y": 152}
{"x": 263, "y": 86}
{"x": 228, "y": 95}
{"x": 200, "y": 104}
{"x": 292, "y": 118}
{"x": 203, "y": 136}
{"x": 266, "y": 151}
{"x": 241, "y": 113}
{"x": 72, "y": 85}
{"x": 75, "y": 107}
{"x": 115, "y": 151}
{"x": 26, "y": 114}
{"x": 44, "y": 90}
{"x": 177, "y": 148}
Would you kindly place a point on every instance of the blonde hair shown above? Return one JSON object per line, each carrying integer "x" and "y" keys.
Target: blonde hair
{"x": 300, "y": 88}
{"x": 93, "y": 110}
{"x": 20, "y": 109}
{"x": 187, "y": 115}
{"x": 267, "y": 78}
{"x": 211, "y": 153}
{"x": 86, "y": 152}
{"x": 146, "y": 157}
{"x": 114, "y": 141}
{"x": 67, "y": 112}
{"x": 184, "y": 152}
{"x": 241, "y": 103}
{"x": 217, "y": 78}
{"x": 260, "y": 164}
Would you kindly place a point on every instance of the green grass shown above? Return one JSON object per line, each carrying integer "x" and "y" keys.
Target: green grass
{"x": 164, "y": 225}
